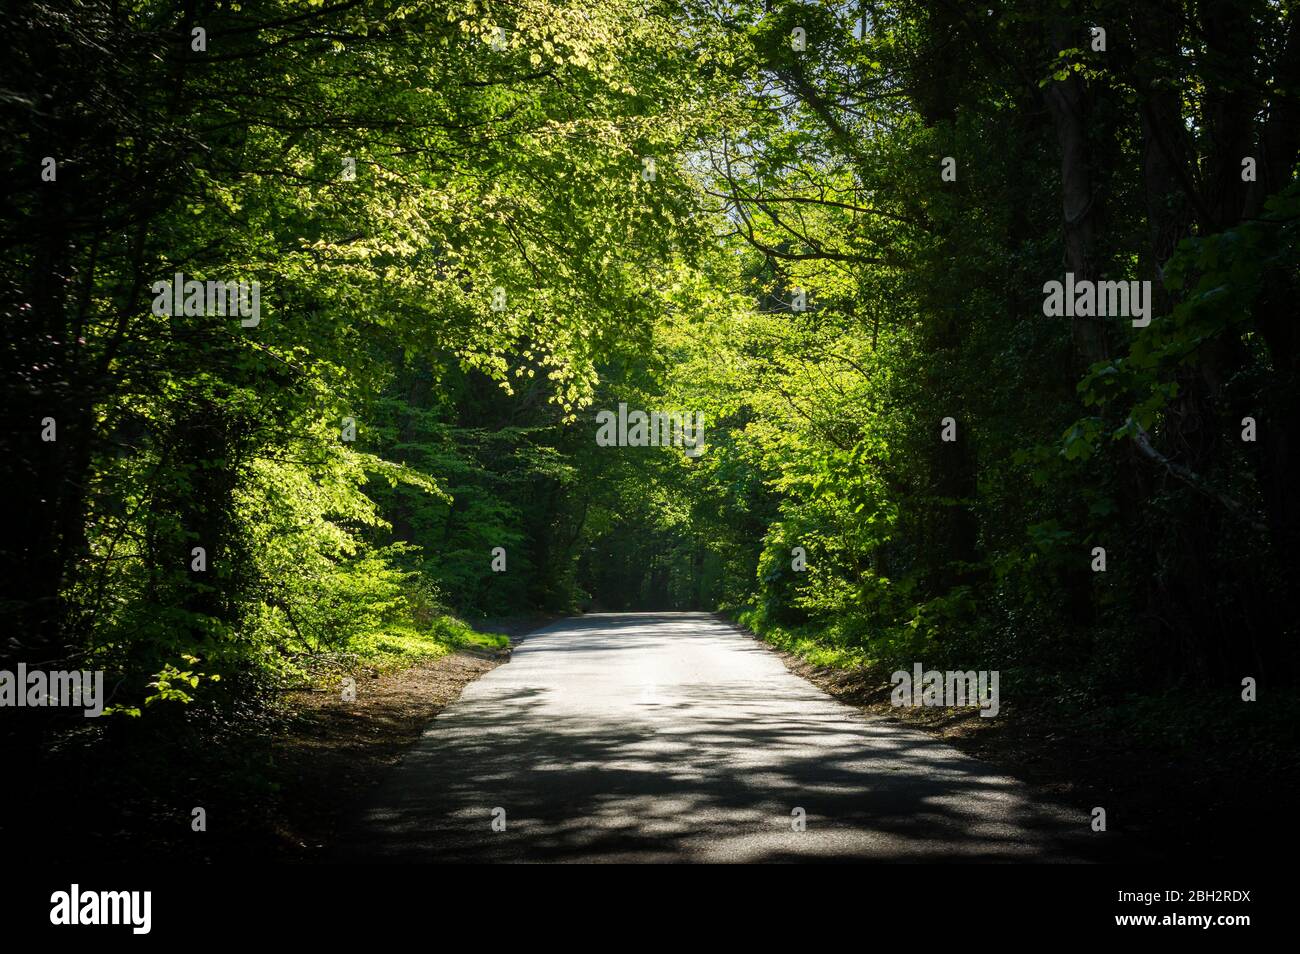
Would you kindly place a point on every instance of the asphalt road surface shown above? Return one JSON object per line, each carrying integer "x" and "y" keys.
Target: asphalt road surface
{"x": 675, "y": 737}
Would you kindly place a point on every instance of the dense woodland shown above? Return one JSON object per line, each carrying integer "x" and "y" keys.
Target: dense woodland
{"x": 827, "y": 227}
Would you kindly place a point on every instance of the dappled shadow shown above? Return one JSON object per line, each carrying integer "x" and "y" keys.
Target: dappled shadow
{"x": 685, "y": 741}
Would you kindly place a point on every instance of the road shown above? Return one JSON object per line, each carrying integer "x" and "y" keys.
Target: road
{"x": 676, "y": 737}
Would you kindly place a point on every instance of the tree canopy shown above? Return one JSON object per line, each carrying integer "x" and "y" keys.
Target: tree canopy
{"x": 827, "y": 228}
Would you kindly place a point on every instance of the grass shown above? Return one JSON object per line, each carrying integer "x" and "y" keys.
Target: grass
{"x": 401, "y": 646}
{"x": 815, "y": 650}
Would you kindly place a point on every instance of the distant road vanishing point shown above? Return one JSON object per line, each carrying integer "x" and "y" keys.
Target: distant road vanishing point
{"x": 675, "y": 737}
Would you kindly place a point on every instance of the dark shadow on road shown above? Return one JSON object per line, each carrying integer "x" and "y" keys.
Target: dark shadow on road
{"x": 709, "y": 770}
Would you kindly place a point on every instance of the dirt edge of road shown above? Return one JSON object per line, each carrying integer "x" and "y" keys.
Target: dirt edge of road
{"x": 1160, "y": 809}
{"x": 332, "y": 755}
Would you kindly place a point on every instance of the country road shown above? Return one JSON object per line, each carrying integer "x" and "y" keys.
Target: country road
{"x": 675, "y": 737}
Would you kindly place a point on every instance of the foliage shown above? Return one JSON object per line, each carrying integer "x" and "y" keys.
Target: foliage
{"x": 564, "y": 205}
